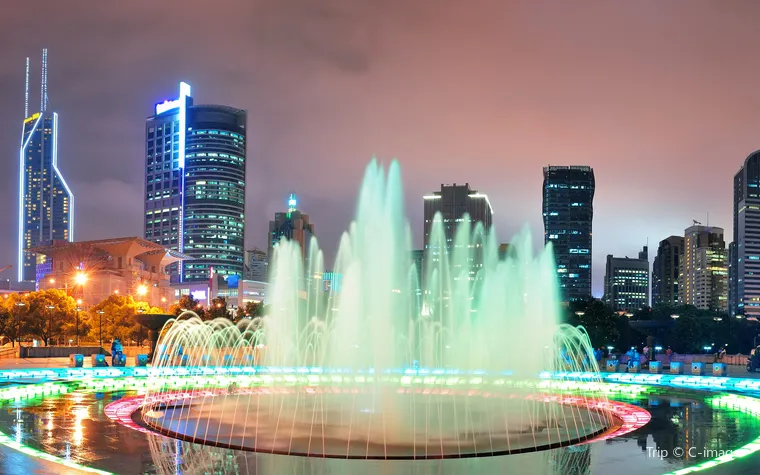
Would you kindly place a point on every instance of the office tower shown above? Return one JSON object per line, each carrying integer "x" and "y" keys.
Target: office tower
{"x": 665, "y": 271}
{"x": 46, "y": 204}
{"x": 256, "y": 264}
{"x": 703, "y": 276}
{"x": 453, "y": 202}
{"x": 568, "y": 211}
{"x": 744, "y": 289}
{"x": 454, "y": 205}
{"x": 626, "y": 282}
{"x": 195, "y": 185}
{"x": 293, "y": 225}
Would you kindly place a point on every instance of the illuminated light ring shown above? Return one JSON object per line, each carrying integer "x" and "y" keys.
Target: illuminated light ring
{"x": 127, "y": 411}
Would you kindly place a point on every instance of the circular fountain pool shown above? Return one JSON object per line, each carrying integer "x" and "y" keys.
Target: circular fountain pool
{"x": 391, "y": 424}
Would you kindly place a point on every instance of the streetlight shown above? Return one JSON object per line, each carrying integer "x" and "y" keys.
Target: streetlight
{"x": 50, "y": 323}
{"x": 628, "y": 314}
{"x": 79, "y": 309}
{"x": 100, "y": 326}
{"x": 718, "y": 319}
{"x": 142, "y": 290}
{"x": 80, "y": 278}
{"x": 674, "y": 316}
{"x": 18, "y": 324}
{"x": 580, "y": 313}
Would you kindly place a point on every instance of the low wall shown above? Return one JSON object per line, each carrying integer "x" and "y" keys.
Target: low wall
{"x": 58, "y": 351}
{"x": 702, "y": 358}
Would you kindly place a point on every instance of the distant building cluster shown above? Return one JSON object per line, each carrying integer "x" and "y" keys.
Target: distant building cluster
{"x": 194, "y": 225}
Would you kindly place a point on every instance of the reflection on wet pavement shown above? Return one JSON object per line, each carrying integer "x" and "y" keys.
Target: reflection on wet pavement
{"x": 74, "y": 427}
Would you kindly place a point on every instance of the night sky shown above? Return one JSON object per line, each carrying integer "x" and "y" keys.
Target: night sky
{"x": 661, "y": 98}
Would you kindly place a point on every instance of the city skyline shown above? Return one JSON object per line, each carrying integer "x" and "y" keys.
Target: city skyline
{"x": 683, "y": 110}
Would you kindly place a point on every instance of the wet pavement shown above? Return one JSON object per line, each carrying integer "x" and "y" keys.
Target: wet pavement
{"x": 74, "y": 427}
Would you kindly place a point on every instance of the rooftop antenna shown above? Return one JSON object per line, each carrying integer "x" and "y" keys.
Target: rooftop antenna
{"x": 26, "y": 91}
{"x": 43, "y": 92}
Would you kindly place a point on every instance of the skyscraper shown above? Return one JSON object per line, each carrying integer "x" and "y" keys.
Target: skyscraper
{"x": 455, "y": 205}
{"x": 46, "y": 204}
{"x": 568, "y": 211}
{"x": 703, "y": 275}
{"x": 453, "y": 202}
{"x": 665, "y": 271}
{"x": 293, "y": 225}
{"x": 195, "y": 185}
{"x": 744, "y": 291}
{"x": 626, "y": 282}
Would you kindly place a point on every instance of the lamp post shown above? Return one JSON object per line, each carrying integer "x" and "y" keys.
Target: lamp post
{"x": 50, "y": 323}
{"x": 100, "y": 326}
{"x": 79, "y": 309}
{"x": 18, "y": 323}
{"x": 139, "y": 332}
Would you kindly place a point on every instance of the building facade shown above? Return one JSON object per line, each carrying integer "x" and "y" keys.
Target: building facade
{"x": 451, "y": 206}
{"x": 292, "y": 225}
{"x": 46, "y": 203}
{"x": 195, "y": 185}
{"x": 744, "y": 292}
{"x": 453, "y": 202}
{"x": 703, "y": 274}
{"x": 256, "y": 265}
{"x": 568, "y": 213}
{"x": 626, "y": 282}
{"x": 93, "y": 270}
{"x": 665, "y": 270}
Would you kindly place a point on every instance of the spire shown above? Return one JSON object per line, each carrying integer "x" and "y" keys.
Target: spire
{"x": 43, "y": 91}
{"x": 292, "y": 203}
{"x": 26, "y": 90}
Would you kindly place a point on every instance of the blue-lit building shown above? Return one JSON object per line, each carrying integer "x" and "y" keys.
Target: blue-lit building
{"x": 195, "y": 185}
{"x": 46, "y": 203}
{"x": 568, "y": 213}
{"x": 744, "y": 252}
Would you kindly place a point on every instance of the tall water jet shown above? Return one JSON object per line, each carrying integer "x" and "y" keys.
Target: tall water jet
{"x": 394, "y": 364}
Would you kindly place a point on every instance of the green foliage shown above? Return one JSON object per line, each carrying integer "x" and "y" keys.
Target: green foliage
{"x": 218, "y": 309}
{"x": 254, "y": 309}
{"x": 118, "y": 318}
{"x": 187, "y": 302}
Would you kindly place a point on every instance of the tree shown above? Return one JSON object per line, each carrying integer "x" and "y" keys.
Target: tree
{"x": 117, "y": 319}
{"x": 218, "y": 309}
{"x": 601, "y": 323}
{"x": 185, "y": 303}
{"x": 47, "y": 314}
{"x": 254, "y": 309}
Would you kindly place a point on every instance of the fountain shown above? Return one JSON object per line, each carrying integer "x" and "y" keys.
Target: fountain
{"x": 393, "y": 365}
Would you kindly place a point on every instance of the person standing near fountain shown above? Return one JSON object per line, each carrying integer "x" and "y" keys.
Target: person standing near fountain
{"x": 116, "y": 351}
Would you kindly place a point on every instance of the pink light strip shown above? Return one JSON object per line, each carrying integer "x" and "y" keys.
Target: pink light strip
{"x": 632, "y": 417}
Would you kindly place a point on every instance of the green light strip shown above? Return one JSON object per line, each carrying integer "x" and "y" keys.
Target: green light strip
{"x": 747, "y": 405}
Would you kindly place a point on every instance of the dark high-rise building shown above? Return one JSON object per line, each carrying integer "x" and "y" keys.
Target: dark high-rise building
{"x": 665, "y": 271}
{"x": 292, "y": 225}
{"x": 453, "y": 202}
{"x": 626, "y": 282}
{"x": 46, "y": 204}
{"x": 744, "y": 279}
{"x": 568, "y": 210}
{"x": 195, "y": 185}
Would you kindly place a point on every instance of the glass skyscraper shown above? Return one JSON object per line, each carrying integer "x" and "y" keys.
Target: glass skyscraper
{"x": 568, "y": 213}
{"x": 195, "y": 185}
{"x": 46, "y": 204}
{"x": 744, "y": 252}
